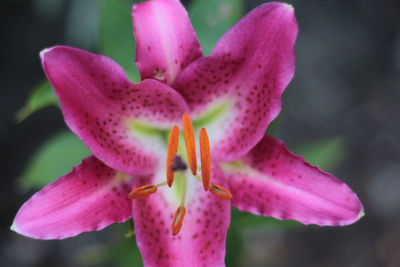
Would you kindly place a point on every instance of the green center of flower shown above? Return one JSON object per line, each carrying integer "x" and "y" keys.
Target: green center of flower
{"x": 176, "y": 166}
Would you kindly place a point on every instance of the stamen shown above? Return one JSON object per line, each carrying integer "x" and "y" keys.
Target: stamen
{"x": 178, "y": 220}
{"x": 172, "y": 150}
{"x": 205, "y": 158}
{"x": 142, "y": 191}
{"x": 188, "y": 134}
{"x": 220, "y": 192}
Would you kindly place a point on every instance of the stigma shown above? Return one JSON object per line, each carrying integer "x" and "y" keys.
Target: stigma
{"x": 175, "y": 162}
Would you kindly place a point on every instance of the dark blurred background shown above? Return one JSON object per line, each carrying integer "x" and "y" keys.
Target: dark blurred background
{"x": 344, "y": 97}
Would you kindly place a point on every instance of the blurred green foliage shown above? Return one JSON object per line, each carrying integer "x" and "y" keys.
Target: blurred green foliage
{"x": 240, "y": 221}
{"x": 116, "y": 35}
{"x": 60, "y": 153}
{"x": 121, "y": 251}
{"x": 211, "y": 19}
{"x": 41, "y": 96}
{"x": 116, "y": 41}
{"x": 53, "y": 159}
{"x": 326, "y": 153}
{"x": 125, "y": 253}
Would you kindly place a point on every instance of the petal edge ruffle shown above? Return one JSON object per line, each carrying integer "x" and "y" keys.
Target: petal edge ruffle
{"x": 272, "y": 181}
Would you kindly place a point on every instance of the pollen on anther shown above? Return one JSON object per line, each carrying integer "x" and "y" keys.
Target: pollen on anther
{"x": 142, "y": 191}
{"x": 172, "y": 150}
{"x": 178, "y": 220}
{"x": 188, "y": 134}
{"x": 205, "y": 158}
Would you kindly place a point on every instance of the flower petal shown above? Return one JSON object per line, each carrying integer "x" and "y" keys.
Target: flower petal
{"x": 242, "y": 80}
{"x": 272, "y": 181}
{"x": 201, "y": 241}
{"x": 165, "y": 40}
{"x": 89, "y": 198}
{"x": 120, "y": 122}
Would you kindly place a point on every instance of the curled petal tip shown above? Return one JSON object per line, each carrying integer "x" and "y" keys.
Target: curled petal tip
{"x": 43, "y": 52}
{"x": 361, "y": 214}
{"x": 353, "y": 219}
{"x": 288, "y": 6}
{"x": 14, "y": 228}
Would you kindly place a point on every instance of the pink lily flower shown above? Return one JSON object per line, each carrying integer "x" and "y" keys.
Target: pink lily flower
{"x": 231, "y": 96}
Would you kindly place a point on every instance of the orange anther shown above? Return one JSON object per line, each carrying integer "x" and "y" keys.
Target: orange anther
{"x": 172, "y": 150}
{"x": 188, "y": 133}
{"x": 178, "y": 220}
{"x": 143, "y": 191}
{"x": 205, "y": 158}
{"x": 220, "y": 192}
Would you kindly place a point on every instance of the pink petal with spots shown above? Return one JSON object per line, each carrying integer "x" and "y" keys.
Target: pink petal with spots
{"x": 165, "y": 40}
{"x": 243, "y": 79}
{"x": 272, "y": 181}
{"x": 89, "y": 198}
{"x": 120, "y": 122}
{"x": 201, "y": 241}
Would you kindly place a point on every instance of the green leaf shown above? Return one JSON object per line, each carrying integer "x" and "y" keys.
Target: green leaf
{"x": 124, "y": 252}
{"x": 246, "y": 219}
{"x": 211, "y": 19}
{"x": 118, "y": 251}
{"x": 91, "y": 255}
{"x": 41, "y": 96}
{"x": 234, "y": 246}
{"x": 116, "y": 35}
{"x": 273, "y": 126}
{"x": 325, "y": 153}
{"x": 54, "y": 158}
